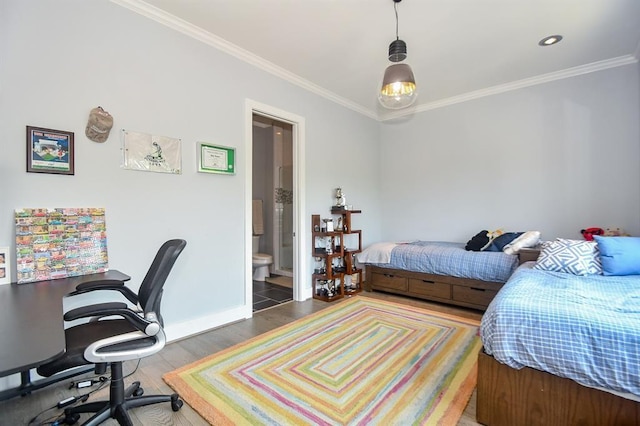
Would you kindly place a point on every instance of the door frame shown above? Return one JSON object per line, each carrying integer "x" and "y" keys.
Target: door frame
{"x": 300, "y": 267}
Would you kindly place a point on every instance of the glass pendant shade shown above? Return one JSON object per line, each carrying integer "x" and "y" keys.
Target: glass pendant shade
{"x": 398, "y": 87}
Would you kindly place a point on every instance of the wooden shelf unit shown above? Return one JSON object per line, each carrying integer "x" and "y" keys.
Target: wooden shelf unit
{"x": 329, "y": 282}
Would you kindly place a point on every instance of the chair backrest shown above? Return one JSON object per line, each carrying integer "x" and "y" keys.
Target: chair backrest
{"x": 150, "y": 292}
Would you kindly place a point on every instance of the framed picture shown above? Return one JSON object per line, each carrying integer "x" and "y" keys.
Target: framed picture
{"x": 5, "y": 262}
{"x": 49, "y": 151}
{"x": 216, "y": 159}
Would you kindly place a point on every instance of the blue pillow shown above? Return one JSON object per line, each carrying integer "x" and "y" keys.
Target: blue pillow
{"x": 619, "y": 255}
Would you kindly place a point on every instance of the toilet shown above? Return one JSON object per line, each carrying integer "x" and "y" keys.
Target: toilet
{"x": 260, "y": 261}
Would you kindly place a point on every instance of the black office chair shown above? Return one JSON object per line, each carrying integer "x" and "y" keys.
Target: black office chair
{"x": 129, "y": 335}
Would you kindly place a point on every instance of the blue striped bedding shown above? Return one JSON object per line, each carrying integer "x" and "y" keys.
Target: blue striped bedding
{"x": 585, "y": 328}
{"x": 451, "y": 259}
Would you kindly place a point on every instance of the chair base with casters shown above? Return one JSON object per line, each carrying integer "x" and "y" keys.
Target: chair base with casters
{"x": 120, "y": 400}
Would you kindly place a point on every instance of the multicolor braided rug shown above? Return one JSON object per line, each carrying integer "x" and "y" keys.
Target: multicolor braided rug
{"x": 360, "y": 361}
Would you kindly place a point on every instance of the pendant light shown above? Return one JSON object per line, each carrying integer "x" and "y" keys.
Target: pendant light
{"x": 398, "y": 85}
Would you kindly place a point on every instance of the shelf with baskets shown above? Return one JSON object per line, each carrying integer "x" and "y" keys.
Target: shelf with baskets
{"x": 335, "y": 273}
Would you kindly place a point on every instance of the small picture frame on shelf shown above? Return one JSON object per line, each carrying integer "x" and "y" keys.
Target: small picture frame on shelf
{"x": 50, "y": 151}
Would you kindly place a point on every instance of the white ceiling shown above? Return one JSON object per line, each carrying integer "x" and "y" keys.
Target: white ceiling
{"x": 458, "y": 49}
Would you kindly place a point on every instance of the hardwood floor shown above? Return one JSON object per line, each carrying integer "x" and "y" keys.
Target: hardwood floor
{"x": 18, "y": 411}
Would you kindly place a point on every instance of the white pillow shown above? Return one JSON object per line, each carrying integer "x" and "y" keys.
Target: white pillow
{"x": 528, "y": 239}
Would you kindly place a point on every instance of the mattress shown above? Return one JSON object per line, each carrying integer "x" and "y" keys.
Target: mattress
{"x": 443, "y": 258}
{"x": 585, "y": 328}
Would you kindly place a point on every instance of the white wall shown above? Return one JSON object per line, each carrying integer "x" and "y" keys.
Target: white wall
{"x": 60, "y": 59}
{"x": 556, "y": 157}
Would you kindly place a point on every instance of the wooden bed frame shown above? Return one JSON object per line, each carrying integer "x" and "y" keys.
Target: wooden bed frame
{"x": 508, "y": 397}
{"x": 439, "y": 288}
{"x": 465, "y": 292}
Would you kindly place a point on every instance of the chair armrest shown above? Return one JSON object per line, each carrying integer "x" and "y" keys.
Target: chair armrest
{"x": 93, "y": 310}
{"x": 115, "y": 285}
{"x": 114, "y": 308}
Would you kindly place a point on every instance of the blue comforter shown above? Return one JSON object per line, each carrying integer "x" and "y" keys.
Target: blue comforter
{"x": 451, "y": 259}
{"x": 585, "y": 328}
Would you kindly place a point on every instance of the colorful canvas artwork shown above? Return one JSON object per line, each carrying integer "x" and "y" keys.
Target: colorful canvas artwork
{"x": 59, "y": 243}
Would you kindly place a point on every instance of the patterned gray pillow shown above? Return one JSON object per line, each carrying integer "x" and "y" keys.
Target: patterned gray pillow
{"x": 575, "y": 257}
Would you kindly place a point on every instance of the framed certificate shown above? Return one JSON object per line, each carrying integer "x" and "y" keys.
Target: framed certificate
{"x": 216, "y": 159}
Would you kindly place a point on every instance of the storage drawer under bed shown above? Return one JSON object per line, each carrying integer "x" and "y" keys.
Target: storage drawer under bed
{"x": 470, "y": 293}
{"x": 389, "y": 281}
{"x": 474, "y": 295}
{"x": 429, "y": 288}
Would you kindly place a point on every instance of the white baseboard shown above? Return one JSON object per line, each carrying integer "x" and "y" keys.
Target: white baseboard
{"x": 198, "y": 325}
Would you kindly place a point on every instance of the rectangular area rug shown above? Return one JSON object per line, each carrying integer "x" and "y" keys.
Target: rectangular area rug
{"x": 360, "y": 361}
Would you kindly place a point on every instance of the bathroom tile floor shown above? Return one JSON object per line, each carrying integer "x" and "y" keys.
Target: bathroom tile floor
{"x": 267, "y": 295}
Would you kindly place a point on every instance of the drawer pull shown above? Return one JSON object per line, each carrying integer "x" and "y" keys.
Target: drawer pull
{"x": 428, "y": 281}
{"x": 389, "y": 276}
{"x": 477, "y": 289}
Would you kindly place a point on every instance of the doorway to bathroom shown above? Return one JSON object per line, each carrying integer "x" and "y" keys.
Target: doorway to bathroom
{"x": 273, "y": 184}
{"x": 272, "y": 189}
{"x": 275, "y": 162}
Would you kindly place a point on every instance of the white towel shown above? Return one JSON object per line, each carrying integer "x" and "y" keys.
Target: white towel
{"x": 258, "y": 224}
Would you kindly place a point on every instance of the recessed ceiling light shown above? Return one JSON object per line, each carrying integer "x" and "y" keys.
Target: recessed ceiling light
{"x": 548, "y": 41}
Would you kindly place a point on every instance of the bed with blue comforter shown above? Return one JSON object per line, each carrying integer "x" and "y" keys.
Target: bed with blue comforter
{"x": 443, "y": 258}
{"x": 438, "y": 271}
{"x": 561, "y": 349}
{"x": 585, "y": 328}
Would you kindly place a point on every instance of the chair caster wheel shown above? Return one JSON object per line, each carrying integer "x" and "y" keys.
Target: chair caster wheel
{"x": 138, "y": 392}
{"x": 71, "y": 419}
{"x": 176, "y": 402}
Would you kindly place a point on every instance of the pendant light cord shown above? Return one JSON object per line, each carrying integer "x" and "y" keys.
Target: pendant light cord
{"x": 395, "y": 8}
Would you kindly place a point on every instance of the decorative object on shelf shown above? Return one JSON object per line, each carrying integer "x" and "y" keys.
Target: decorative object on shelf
{"x": 99, "y": 125}
{"x": 50, "y": 151}
{"x": 328, "y": 225}
{"x": 319, "y": 266}
{"x": 341, "y": 199}
{"x": 216, "y": 159}
{"x": 151, "y": 153}
{"x": 328, "y": 248}
{"x": 398, "y": 85}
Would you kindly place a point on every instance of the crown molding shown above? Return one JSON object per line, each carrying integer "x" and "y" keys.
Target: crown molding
{"x": 206, "y": 37}
{"x": 527, "y": 82}
{"x": 173, "y": 22}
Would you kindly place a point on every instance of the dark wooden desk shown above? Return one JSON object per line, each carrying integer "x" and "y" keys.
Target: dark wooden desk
{"x": 32, "y": 324}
